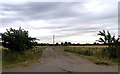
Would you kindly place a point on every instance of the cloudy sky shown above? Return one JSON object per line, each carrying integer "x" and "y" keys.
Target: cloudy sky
{"x": 74, "y": 21}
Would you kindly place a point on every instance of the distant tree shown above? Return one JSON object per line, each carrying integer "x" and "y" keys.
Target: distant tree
{"x": 65, "y": 44}
{"x": 17, "y": 40}
{"x": 94, "y": 43}
{"x": 78, "y": 43}
{"x": 57, "y": 44}
{"x": 62, "y": 43}
{"x": 69, "y": 43}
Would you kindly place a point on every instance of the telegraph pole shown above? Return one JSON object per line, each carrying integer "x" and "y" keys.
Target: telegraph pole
{"x": 53, "y": 39}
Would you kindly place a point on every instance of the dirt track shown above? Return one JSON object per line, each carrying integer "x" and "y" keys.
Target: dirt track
{"x": 57, "y": 61}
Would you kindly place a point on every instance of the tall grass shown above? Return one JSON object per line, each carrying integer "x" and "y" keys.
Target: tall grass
{"x": 81, "y": 50}
{"x": 11, "y": 58}
{"x": 102, "y": 55}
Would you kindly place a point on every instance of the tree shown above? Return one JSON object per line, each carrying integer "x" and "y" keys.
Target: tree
{"x": 65, "y": 44}
{"x": 94, "y": 43}
{"x": 62, "y": 43}
{"x": 108, "y": 38}
{"x": 114, "y": 45}
{"x": 57, "y": 44}
{"x": 17, "y": 40}
{"x": 69, "y": 43}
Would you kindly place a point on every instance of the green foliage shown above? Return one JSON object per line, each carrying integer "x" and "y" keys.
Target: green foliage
{"x": 9, "y": 58}
{"x": 17, "y": 40}
{"x": 108, "y": 39}
{"x": 113, "y": 51}
{"x": 66, "y": 43}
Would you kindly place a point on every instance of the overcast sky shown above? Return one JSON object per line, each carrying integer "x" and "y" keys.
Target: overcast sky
{"x": 74, "y": 21}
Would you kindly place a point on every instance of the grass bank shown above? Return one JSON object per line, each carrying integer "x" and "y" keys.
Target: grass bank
{"x": 93, "y": 54}
{"x": 15, "y": 59}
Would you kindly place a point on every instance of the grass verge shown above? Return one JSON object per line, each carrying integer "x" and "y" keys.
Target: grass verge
{"x": 92, "y": 54}
{"x": 15, "y": 59}
{"x": 99, "y": 60}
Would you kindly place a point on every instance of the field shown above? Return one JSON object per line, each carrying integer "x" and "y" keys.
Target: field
{"x": 95, "y": 46}
{"x": 93, "y": 53}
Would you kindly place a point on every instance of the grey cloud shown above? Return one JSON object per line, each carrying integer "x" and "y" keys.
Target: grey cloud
{"x": 80, "y": 23}
{"x": 52, "y": 27}
{"x": 51, "y": 10}
{"x": 40, "y": 10}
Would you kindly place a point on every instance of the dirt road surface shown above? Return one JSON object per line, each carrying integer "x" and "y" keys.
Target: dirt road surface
{"x": 57, "y": 61}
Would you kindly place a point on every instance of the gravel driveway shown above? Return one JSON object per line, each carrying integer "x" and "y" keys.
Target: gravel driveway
{"x": 57, "y": 61}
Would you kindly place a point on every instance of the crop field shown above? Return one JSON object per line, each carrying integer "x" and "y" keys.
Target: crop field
{"x": 93, "y": 53}
{"x": 78, "y": 48}
{"x": 83, "y": 50}
{"x": 95, "y": 46}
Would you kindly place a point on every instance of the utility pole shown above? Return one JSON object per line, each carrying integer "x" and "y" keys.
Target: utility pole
{"x": 53, "y": 39}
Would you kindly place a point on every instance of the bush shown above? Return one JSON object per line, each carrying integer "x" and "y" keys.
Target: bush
{"x": 111, "y": 52}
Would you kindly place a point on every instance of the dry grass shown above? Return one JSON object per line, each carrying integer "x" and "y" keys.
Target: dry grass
{"x": 95, "y": 46}
{"x": 1, "y": 47}
{"x": 15, "y": 59}
{"x": 92, "y": 53}
{"x": 41, "y": 46}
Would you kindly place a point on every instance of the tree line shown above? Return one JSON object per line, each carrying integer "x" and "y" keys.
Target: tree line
{"x": 19, "y": 40}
